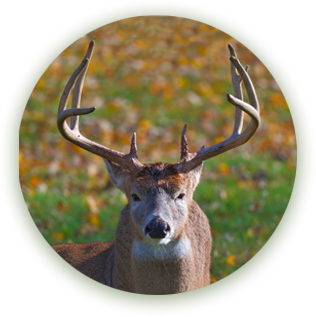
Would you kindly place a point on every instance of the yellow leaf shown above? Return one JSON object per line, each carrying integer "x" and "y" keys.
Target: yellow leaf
{"x": 249, "y": 232}
{"x": 202, "y": 50}
{"x": 94, "y": 219}
{"x": 213, "y": 279}
{"x": 223, "y": 168}
{"x": 144, "y": 124}
{"x": 179, "y": 82}
{"x": 40, "y": 84}
{"x": 204, "y": 89}
{"x": 58, "y": 236}
{"x": 231, "y": 260}
{"x": 140, "y": 43}
{"x": 206, "y": 28}
{"x": 182, "y": 61}
{"x": 197, "y": 62}
{"x": 178, "y": 39}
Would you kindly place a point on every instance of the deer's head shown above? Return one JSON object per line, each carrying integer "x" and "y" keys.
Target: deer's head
{"x": 159, "y": 194}
{"x": 159, "y": 197}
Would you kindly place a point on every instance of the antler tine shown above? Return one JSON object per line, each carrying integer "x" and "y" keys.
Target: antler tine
{"x": 65, "y": 95}
{"x": 184, "y": 144}
{"x": 133, "y": 151}
{"x": 236, "y": 81}
{"x": 132, "y": 156}
{"x": 237, "y": 138}
{"x": 76, "y": 97}
{"x": 129, "y": 161}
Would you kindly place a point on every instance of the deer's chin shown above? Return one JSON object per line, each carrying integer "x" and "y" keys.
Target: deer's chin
{"x": 171, "y": 250}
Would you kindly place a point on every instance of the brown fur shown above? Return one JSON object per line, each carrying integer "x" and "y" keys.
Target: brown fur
{"x": 160, "y": 174}
{"x": 113, "y": 263}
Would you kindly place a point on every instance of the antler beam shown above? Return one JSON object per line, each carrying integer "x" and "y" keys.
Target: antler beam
{"x": 72, "y": 133}
{"x": 191, "y": 160}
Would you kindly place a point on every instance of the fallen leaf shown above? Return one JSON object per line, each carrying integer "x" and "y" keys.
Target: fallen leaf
{"x": 231, "y": 260}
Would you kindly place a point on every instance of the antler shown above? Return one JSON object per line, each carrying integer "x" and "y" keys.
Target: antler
{"x": 72, "y": 134}
{"x": 190, "y": 160}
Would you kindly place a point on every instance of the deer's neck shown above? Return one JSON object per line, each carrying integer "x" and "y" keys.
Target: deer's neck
{"x": 179, "y": 266}
{"x": 162, "y": 269}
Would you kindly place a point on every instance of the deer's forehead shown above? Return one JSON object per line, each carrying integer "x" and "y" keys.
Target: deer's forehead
{"x": 159, "y": 175}
{"x": 173, "y": 181}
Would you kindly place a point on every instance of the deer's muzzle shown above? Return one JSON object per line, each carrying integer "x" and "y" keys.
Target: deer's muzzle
{"x": 157, "y": 228}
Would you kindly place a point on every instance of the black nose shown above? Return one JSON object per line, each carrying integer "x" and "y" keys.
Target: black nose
{"x": 157, "y": 228}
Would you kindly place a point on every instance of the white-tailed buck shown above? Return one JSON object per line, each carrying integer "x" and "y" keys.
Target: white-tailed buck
{"x": 163, "y": 239}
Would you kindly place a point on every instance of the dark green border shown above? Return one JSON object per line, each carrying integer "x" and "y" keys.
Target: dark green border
{"x": 36, "y": 280}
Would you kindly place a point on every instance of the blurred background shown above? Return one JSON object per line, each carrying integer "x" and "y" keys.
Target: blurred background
{"x": 152, "y": 75}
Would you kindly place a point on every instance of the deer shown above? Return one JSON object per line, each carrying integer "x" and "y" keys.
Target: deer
{"x": 163, "y": 239}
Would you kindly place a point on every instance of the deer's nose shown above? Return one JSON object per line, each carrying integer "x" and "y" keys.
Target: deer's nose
{"x": 157, "y": 228}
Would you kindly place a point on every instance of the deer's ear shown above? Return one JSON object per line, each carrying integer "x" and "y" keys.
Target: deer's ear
{"x": 117, "y": 174}
{"x": 195, "y": 175}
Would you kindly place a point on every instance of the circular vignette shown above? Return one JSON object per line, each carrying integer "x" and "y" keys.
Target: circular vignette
{"x": 152, "y": 75}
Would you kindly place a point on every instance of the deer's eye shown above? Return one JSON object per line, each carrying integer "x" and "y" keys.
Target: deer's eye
{"x": 135, "y": 197}
{"x": 181, "y": 196}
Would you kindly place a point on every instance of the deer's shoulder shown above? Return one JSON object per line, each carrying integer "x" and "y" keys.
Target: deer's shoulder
{"x": 86, "y": 257}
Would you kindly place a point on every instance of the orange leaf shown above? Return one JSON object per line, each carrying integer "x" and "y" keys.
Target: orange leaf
{"x": 35, "y": 181}
{"x": 77, "y": 148}
{"x": 223, "y": 168}
{"x": 219, "y": 140}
